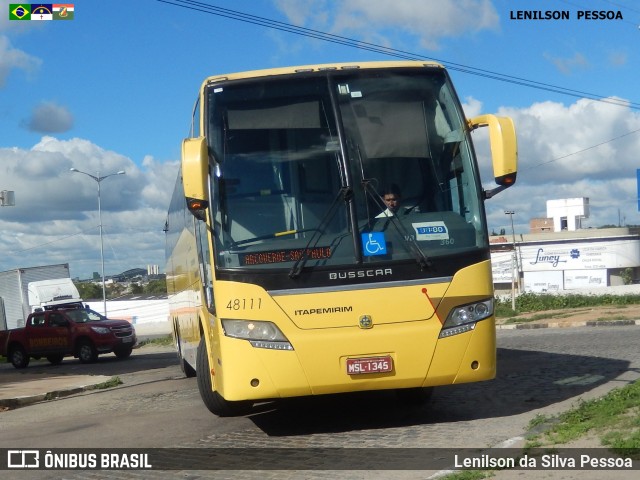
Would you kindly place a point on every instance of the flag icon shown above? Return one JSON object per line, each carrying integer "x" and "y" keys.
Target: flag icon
{"x": 19, "y": 11}
{"x": 41, "y": 11}
{"x": 63, "y": 11}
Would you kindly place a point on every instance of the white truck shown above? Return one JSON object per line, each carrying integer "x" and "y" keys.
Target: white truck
{"x": 26, "y": 290}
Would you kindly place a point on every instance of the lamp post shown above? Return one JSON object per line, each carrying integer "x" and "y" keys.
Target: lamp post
{"x": 98, "y": 178}
{"x": 514, "y": 262}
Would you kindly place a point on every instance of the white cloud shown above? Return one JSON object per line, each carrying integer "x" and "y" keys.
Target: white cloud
{"x": 569, "y": 65}
{"x": 55, "y": 217}
{"x": 428, "y": 21}
{"x": 472, "y": 107}
{"x": 586, "y": 149}
{"x": 14, "y": 59}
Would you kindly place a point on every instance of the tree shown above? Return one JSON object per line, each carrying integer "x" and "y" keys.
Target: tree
{"x": 156, "y": 287}
{"x": 89, "y": 290}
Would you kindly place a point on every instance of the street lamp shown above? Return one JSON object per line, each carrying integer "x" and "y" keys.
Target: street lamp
{"x": 514, "y": 262}
{"x": 98, "y": 178}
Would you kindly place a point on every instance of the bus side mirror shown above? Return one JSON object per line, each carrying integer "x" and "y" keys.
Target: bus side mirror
{"x": 504, "y": 149}
{"x": 195, "y": 175}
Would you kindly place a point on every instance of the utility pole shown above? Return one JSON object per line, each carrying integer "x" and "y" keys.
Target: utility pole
{"x": 514, "y": 262}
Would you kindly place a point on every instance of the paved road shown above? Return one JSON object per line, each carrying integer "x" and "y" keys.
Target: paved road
{"x": 540, "y": 372}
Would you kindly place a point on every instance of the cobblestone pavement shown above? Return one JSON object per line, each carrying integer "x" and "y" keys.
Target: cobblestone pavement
{"x": 529, "y": 381}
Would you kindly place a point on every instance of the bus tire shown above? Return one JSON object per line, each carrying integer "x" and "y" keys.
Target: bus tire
{"x": 212, "y": 399}
{"x": 414, "y": 397}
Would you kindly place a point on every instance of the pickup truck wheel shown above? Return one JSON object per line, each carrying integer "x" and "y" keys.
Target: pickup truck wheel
{"x": 87, "y": 353}
{"x": 55, "y": 359}
{"x": 212, "y": 399}
{"x": 19, "y": 357}
{"x": 123, "y": 352}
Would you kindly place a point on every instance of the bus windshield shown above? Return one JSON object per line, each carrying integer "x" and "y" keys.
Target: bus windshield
{"x": 303, "y": 165}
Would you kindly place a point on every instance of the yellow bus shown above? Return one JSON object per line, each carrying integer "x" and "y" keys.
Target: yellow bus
{"x": 288, "y": 276}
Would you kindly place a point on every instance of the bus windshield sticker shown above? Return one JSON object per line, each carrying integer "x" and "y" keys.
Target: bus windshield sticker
{"x": 343, "y": 89}
{"x": 431, "y": 231}
{"x": 281, "y": 256}
{"x": 373, "y": 243}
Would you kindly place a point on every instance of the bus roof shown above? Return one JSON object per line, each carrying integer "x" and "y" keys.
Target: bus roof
{"x": 319, "y": 67}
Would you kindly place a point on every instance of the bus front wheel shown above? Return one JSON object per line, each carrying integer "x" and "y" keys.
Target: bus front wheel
{"x": 212, "y": 399}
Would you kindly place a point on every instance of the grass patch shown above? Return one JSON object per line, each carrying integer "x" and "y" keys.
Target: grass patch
{"x": 538, "y": 316}
{"x": 468, "y": 475}
{"x": 160, "y": 341}
{"x": 112, "y": 382}
{"x": 614, "y": 418}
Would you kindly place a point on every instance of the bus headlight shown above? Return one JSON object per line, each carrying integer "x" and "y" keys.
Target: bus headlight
{"x": 463, "y": 318}
{"x": 259, "y": 333}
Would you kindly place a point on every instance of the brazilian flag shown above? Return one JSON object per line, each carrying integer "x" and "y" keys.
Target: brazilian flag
{"x": 19, "y": 11}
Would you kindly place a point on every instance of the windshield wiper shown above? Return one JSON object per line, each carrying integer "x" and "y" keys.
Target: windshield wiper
{"x": 410, "y": 243}
{"x": 345, "y": 194}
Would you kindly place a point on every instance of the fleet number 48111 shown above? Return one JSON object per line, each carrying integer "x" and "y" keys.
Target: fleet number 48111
{"x": 244, "y": 304}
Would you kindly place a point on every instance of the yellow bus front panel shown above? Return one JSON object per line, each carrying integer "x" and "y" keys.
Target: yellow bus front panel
{"x": 317, "y": 365}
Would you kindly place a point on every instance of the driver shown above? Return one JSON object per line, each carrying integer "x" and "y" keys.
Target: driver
{"x": 391, "y": 197}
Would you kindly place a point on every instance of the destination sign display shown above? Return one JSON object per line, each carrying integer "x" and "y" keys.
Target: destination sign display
{"x": 281, "y": 256}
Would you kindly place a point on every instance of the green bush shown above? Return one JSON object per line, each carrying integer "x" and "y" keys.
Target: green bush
{"x": 537, "y": 302}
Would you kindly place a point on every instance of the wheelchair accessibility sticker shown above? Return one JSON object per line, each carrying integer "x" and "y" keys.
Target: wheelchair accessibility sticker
{"x": 373, "y": 243}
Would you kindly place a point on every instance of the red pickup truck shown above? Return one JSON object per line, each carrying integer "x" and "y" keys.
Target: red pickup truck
{"x": 55, "y": 334}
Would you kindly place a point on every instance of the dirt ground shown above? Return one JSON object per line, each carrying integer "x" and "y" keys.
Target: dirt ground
{"x": 571, "y": 316}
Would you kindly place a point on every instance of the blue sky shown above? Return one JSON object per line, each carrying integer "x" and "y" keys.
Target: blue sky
{"x": 113, "y": 90}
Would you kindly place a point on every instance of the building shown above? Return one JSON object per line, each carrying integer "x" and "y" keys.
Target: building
{"x": 567, "y": 213}
{"x": 548, "y": 262}
{"x": 559, "y": 255}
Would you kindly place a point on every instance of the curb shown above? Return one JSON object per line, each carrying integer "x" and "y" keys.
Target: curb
{"x": 21, "y": 401}
{"x": 40, "y": 397}
{"x": 593, "y": 323}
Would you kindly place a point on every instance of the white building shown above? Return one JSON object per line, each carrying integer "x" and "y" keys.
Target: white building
{"x": 148, "y": 313}
{"x": 567, "y": 213}
{"x": 566, "y": 260}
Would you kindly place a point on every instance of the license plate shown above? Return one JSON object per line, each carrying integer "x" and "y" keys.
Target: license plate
{"x": 356, "y": 366}
{"x": 127, "y": 340}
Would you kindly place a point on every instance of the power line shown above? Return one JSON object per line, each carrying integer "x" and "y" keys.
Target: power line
{"x": 341, "y": 40}
{"x": 621, "y": 6}
{"x": 54, "y": 241}
{"x": 402, "y": 54}
{"x": 584, "y": 149}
